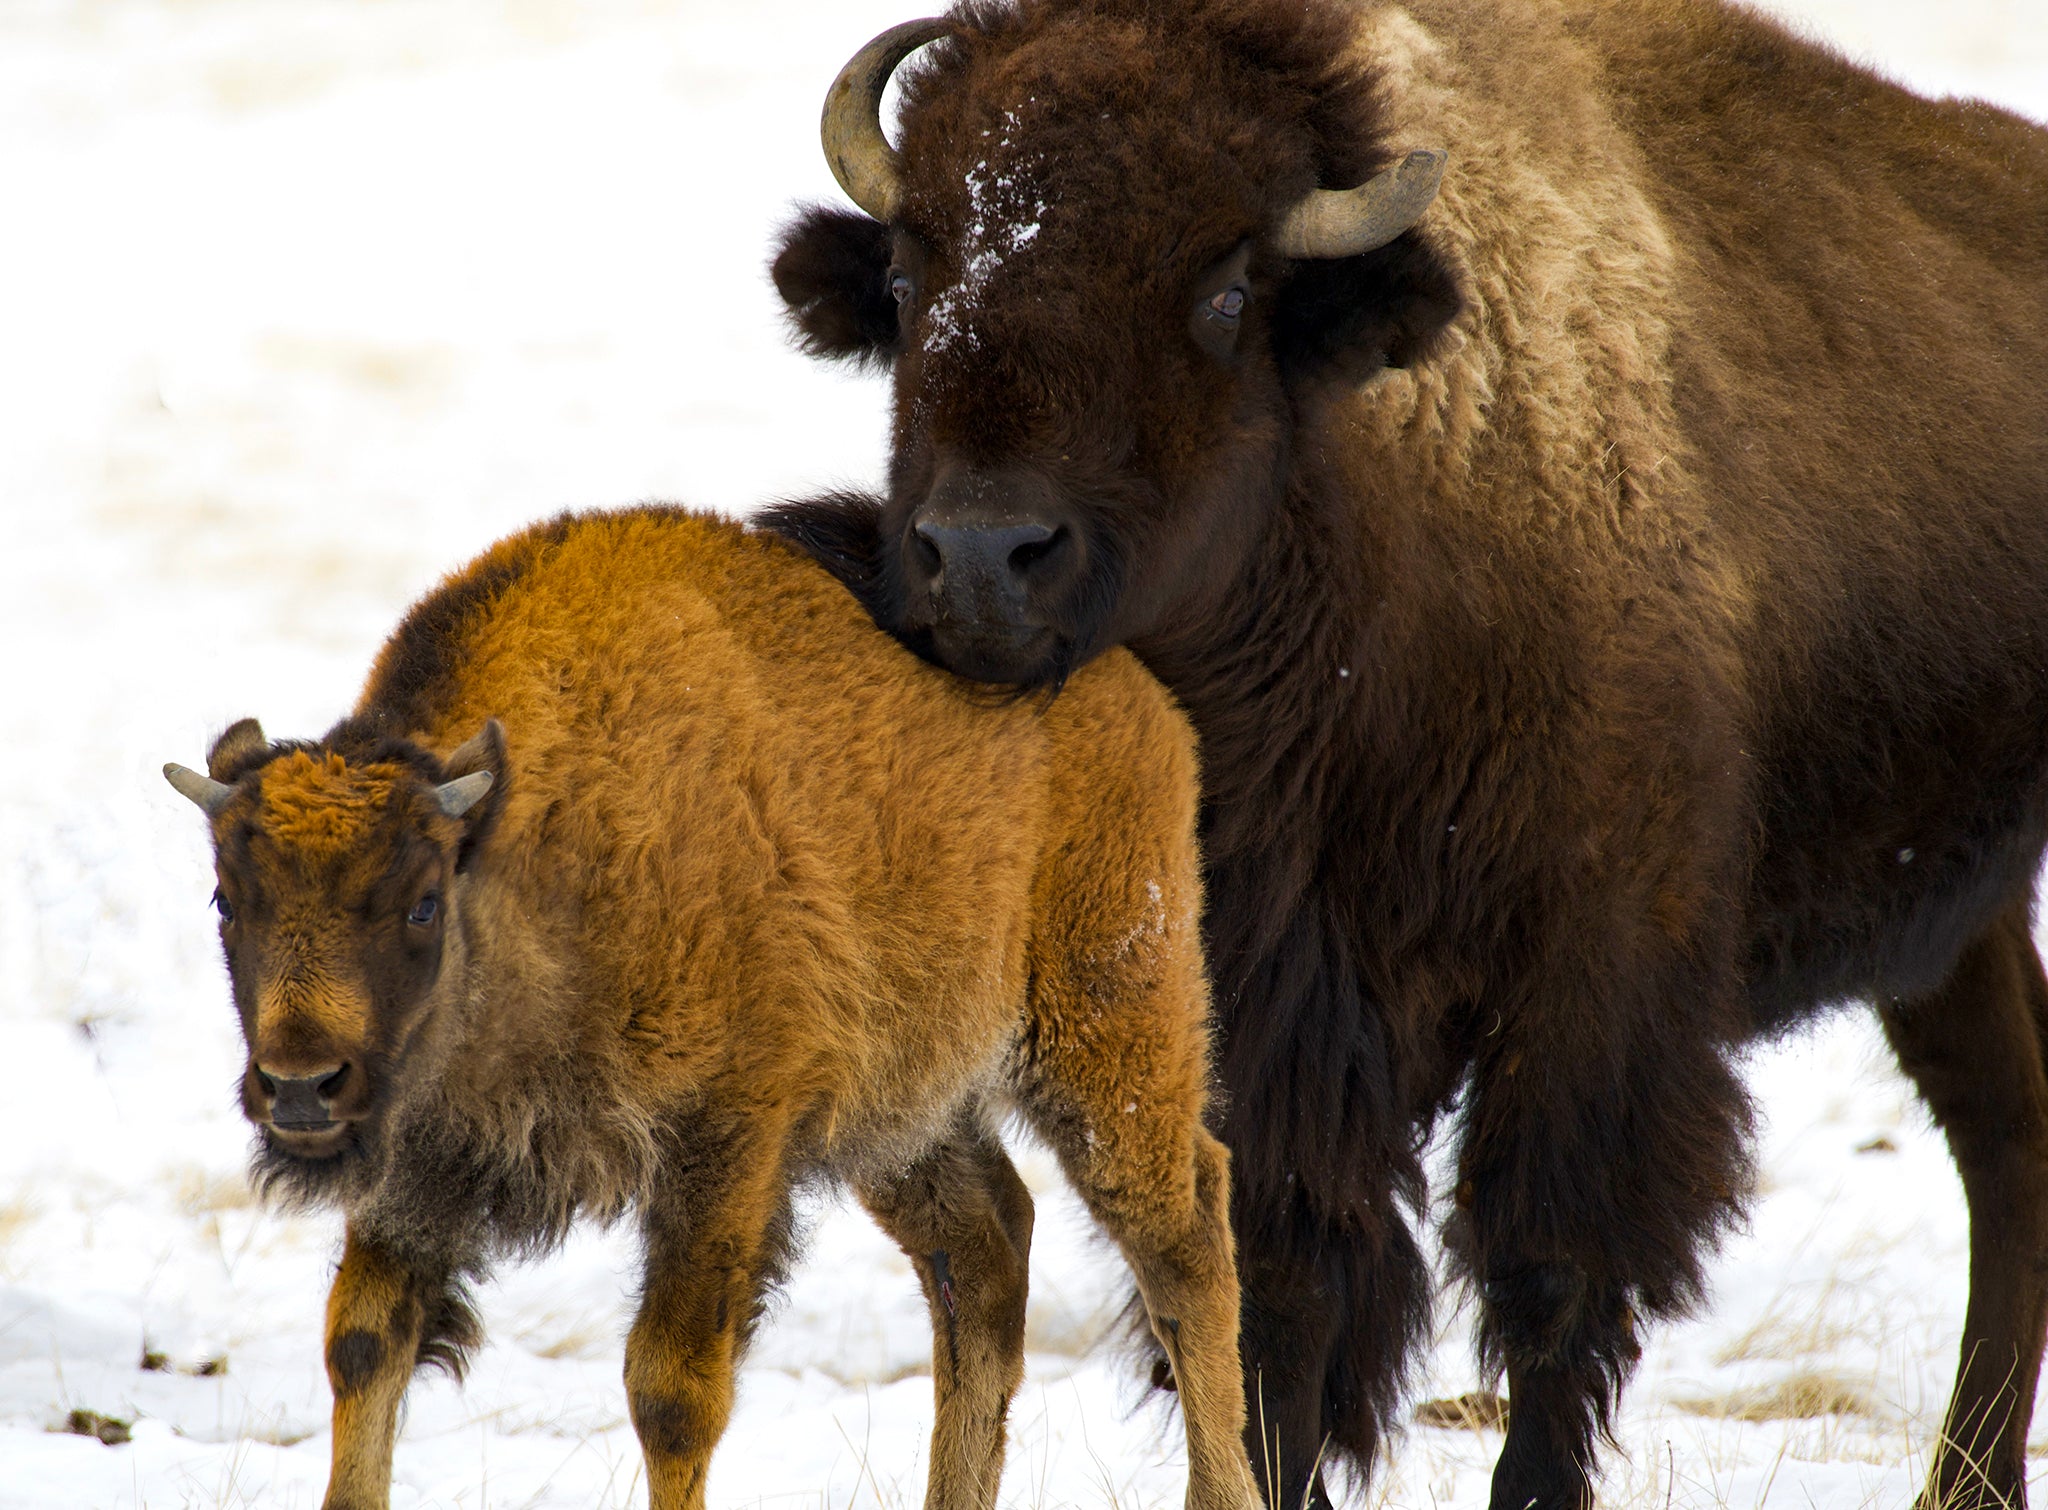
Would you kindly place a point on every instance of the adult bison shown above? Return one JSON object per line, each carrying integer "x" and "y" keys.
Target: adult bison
{"x": 1612, "y": 599}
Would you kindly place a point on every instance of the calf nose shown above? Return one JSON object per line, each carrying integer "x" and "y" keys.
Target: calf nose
{"x": 302, "y": 1100}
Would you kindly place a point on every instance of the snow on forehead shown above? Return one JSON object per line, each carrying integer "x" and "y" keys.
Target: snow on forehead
{"x": 321, "y": 805}
{"x": 1006, "y": 208}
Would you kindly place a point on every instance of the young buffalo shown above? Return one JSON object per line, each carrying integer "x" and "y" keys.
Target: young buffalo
{"x": 646, "y": 874}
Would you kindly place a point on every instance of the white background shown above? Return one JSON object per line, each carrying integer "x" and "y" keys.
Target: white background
{"x": 303, "y": 303}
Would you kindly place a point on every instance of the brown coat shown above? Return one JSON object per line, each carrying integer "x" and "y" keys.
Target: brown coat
{"x": 1614, "y": 614}
{"x": 752, "y": 897}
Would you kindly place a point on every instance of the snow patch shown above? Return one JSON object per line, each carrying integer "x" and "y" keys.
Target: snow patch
{"x": 1006, "y": 209}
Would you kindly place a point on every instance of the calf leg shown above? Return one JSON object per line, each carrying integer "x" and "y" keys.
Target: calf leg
{"x": 963, "y": 1217}
{"x": 1978, "y": 1051}
{"x": 1603, "y": 1148}
{"x": 1169, "y": 1213}
{"x": 716, "y": 1235}
{"x": 386, "y": 1313}
{"x": 1118, "y": 1094}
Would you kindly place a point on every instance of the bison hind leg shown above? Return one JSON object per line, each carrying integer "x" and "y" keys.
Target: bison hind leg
{"x": 1123, "y": 1115}
{"x": 1977, "y": 1048}
{"x": 963, "y": 1218}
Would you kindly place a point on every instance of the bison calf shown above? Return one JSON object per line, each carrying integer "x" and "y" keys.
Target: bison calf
{"x": 647, "y": 875}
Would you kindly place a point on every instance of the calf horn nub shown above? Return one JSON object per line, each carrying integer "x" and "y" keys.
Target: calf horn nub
{"x": 1350, "y": 222}
{"x": 866, "y": 166}
{"x": 463, "y": 793}
{"x": 210, "y": 795}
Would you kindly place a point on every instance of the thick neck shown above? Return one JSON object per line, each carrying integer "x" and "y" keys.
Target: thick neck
{"x": 1273, "y": 678}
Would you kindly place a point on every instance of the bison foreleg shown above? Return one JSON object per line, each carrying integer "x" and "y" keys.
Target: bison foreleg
{"x": 714, "y": 1240}
{"x": 963, "y": 1218}
{"x": 1605, "y": 1148}
{"x": 385, "y": 1313}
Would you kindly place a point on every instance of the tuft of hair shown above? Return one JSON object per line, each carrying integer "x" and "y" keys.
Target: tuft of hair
{"x": 842, "y": 532}
{"x": 451, "y": 1330}
{"x": 1298, "y": 62}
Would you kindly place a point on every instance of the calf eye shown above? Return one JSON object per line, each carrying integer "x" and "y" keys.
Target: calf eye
{"x": 423, "y": 910}
{"x": 223, "y": 906}
{"x": 899, "y": 284}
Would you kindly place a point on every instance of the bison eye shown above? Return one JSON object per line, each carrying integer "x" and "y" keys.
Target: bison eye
{"x": 1215, "y": 321}
{"x": 899, "y": 284}
{"x": 424, "y": 910}
{"x": 223, "y": 906}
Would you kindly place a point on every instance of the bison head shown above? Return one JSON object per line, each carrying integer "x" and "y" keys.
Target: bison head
{"x": 1106, "y": 280}
{"x": 341, "y": 918}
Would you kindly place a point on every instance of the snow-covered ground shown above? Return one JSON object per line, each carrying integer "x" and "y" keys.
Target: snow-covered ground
{"x": 300, "y": 305}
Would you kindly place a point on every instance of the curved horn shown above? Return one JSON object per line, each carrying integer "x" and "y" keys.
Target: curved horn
{"x": 1347, "y": 222}
{"x": 866, "y": 166}
{"x": 463, "y": 793}
{"x": 210, "y": 795}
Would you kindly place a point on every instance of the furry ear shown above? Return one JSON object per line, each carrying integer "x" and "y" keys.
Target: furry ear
{"x": 485, "y": 751}
{"x": 1387, "y": 308}
{"x": 237, "y": 748}
{"x": 832, "y": 271}
{"x": 483, "y": 754}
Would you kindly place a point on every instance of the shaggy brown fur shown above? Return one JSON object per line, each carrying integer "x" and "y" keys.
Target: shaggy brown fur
{"x": 753, "y": 898}
{"x": 1614, "y": 615}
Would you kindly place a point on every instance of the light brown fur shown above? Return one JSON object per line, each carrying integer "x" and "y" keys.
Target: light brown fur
{"x": 755, "y": 897}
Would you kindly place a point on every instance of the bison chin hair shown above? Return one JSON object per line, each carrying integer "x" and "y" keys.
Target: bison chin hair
{"x": 847, "y": 534}
{"x": 293, "y": 1182}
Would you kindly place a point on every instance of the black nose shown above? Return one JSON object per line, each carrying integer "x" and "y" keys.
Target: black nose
{"x": 985, "y": 564}
{"x": 302, "y": 1100}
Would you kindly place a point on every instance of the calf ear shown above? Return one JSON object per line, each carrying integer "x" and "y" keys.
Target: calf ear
{"x": 832, "y": 271}
{"x": 474, "y": 781}
{"x": 237, "y": 747}
{"x": 1356, "y": 315}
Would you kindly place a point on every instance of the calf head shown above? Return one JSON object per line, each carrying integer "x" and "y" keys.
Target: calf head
{"x": 1104, "y": 277}
{"x": 339, "y": 868}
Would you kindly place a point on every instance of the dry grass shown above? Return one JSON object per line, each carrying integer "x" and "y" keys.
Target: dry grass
{"x": 1821, "y": 1317}
{"x": 277, "y": 1434}
{"x": 203, "y": 1194}
{"x": 17, "y": 1215}
{"x": 1481, "y": 1410}
{"x": 1800, "y": 1396}
{"x": 1056, "y": 1327}
{"x": 111, "y": 1430}
{"x": 564, "y": 1334}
